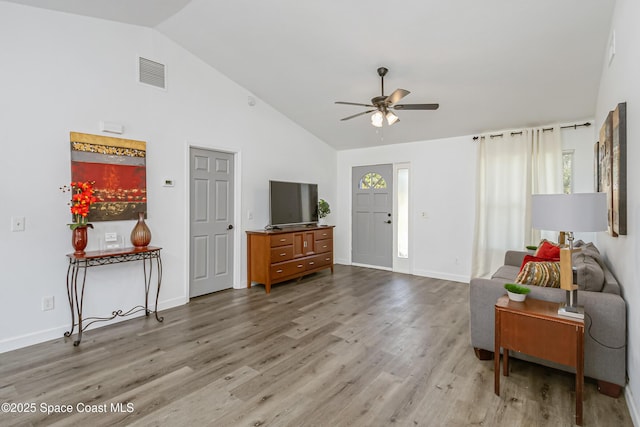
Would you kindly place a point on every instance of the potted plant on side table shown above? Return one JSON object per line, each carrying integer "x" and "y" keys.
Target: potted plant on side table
{"x": 516, "y": 292}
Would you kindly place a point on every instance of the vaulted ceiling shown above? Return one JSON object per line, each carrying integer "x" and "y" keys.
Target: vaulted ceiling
{"x": 490, "y": 64}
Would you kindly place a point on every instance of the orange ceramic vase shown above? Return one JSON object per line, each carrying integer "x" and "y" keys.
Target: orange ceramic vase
{"x": 140, "y": 235}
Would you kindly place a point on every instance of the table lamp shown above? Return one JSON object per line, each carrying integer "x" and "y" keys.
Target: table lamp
{"x": 569, "y": 213}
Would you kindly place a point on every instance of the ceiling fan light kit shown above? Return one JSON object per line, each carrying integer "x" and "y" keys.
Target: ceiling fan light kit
{"x": 376, "y": 119}
{"x": 392, "y": 118}
{"x": 382, "y": 104}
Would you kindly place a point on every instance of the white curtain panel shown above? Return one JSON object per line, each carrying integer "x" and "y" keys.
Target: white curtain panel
{"x": 510, "y": 168}
{"x": 546, "y": 173}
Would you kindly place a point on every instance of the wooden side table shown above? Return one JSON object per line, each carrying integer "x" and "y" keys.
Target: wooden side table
{"x": 534, "y": 327}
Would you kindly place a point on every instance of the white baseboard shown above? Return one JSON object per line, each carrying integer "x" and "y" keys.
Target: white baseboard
{"x": 26, "y": 340}
{"x": 33, "y": 338}
{"x": 443, "y": 276}
{"x": 633, "y": 410}
{"x": 422, "y": 273}
{"x": 175, "y": 302}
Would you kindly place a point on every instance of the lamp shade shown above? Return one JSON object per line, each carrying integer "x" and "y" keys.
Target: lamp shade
{"x": 569, "y": 212}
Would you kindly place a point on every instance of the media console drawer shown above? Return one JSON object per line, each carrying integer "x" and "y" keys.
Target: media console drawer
{"x": 319, "y": 261}
{"x": 277, "y": 255}
{"x": 286, "y": 269}
{"x": 281, "y": 253}
{"x": 323, "y": 246}
{"x": 281, "y": 240}
{"x": 324, "y": 234}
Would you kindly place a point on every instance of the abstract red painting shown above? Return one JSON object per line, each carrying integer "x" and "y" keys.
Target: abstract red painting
{"x": 118, "y": 168}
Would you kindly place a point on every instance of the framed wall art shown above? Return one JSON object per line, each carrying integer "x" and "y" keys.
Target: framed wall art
{"x": 118, "y": 168}
{"x": 605, "y": 160}
{"x": 619, "y": 169}
{"x": 596, "y": 168}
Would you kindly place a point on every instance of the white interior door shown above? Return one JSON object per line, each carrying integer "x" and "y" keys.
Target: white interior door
{"x": 211, "y": 228}
{"x": 372, "y": 222}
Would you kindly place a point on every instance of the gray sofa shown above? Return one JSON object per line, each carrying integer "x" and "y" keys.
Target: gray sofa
{"x": 605, "y": 321}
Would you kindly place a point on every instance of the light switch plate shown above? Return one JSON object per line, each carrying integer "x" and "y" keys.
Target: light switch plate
{"x": 17, "y": 223}
{"x": 110, "y": 237}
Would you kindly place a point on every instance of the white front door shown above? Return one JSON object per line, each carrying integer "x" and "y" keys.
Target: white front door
{"x": 211, "y": 227}
{"x": 372, "y": 210}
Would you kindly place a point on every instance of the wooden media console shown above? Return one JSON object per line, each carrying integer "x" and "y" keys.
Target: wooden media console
{"x": 275, "y": 256}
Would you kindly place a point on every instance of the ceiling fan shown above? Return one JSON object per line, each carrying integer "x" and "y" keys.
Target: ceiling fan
{"x": 382, "y": 105}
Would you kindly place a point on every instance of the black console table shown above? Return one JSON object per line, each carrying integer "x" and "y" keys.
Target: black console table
{"x": 76, "y": 281}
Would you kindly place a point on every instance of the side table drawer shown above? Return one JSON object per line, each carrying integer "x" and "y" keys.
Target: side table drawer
{"x": 532, "y": 335}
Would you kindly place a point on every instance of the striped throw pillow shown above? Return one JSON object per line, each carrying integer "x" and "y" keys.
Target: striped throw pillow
{"x": 545, "y": 274}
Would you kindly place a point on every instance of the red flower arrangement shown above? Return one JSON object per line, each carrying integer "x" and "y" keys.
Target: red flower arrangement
{"x": 82, "y": 198}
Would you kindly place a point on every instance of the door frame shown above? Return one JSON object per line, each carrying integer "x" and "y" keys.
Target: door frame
{"x": 237, "y": 217}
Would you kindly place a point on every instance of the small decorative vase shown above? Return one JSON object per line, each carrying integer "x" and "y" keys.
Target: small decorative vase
{"x": 140, "y": 235}
{"x": 79, "y": 240}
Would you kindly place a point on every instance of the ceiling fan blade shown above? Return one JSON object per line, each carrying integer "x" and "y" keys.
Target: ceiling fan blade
{"x": 354, "y": 103}
{"x": 356, "y": 115}
{"x": 397, "y": 95}
{"x": 416, "y": 107}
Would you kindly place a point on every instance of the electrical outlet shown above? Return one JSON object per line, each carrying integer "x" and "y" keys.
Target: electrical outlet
{"x": 47, "y": 303}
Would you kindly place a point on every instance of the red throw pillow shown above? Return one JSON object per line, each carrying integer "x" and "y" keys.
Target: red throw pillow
{"x": 548, "y": 251}
{"x": 528, "y": 258}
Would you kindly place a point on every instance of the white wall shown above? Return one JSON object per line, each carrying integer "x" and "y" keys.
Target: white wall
{"x": 620, "y": 83}
{"x": 442, "y": 184}
{"x": 63, "y": 73}
{"x": 581, "y": 140}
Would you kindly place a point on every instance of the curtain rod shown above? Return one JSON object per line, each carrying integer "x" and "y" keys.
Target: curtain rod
{"x": 574, "y": 126}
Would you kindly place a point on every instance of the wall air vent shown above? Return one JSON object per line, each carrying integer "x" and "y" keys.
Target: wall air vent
{"x": 151, "y": 73}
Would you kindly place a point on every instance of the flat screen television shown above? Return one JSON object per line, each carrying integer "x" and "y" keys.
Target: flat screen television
{"x": 292, "y": 203}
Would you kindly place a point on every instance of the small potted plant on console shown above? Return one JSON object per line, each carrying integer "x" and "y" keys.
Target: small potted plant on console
{"x": 323, "y": 209}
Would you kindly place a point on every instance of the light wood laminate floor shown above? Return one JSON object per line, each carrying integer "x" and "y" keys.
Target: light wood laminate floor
{"x": 360, "y": 347}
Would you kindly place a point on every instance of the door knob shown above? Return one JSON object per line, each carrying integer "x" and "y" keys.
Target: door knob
{"x": 388, "y": 222}
{"x": 230, "y": 227}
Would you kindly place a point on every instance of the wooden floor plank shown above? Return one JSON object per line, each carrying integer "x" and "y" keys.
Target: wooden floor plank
{"x": 359, "y": 347}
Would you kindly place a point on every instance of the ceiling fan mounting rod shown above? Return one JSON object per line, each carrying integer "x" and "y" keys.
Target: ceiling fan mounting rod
{"x": 382, "y": 71}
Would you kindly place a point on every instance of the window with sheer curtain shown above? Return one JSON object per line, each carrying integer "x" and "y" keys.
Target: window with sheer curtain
{"x": 511, "y": 167}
